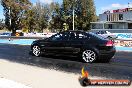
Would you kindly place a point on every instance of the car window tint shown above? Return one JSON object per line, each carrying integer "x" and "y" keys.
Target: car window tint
{"x": 56, "y": 37}
{"x": 65, "y": 36}
{"x": 78, "y": 36}
{"x": 81, "y": 36}
{"x": 60, "y": 36}
{"x": 72, "y": 36}
{"x": 97, "y": 36}
{"x": 102, "y": 32}
{"x": 99, "y": 32}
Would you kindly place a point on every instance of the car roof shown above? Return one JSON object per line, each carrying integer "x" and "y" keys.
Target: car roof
{"x": 74, "y": 31}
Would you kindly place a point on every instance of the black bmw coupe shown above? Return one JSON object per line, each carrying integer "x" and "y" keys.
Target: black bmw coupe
{"x": 89, "y": 47}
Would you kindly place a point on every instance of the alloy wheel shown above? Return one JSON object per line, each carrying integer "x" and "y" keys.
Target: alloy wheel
{"x": 89, "y": 56}
{"x": 36, "y": 50}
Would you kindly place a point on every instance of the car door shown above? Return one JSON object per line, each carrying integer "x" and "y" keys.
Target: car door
{"x": 74, "y": 45}
{"x": 56, "y": 44}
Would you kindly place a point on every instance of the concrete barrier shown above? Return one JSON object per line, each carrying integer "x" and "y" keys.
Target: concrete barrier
{"x": 125, "y": 36}
{"x": 124, "y": 43}
{"x": 124, "y": 39}
{"x": 38, "y": 34}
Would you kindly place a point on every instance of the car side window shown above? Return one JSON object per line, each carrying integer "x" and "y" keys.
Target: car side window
{"x": 60, "y": 36}
{"x": 99, "y": 32}
{"x": 65, "y": 36}
{"x": 78, "y": 36}
{"x": 81, "y": 36}
{"x": 102, "y": 32}
{"x": 56, "y": 37}
{"x": 72, "y": 36}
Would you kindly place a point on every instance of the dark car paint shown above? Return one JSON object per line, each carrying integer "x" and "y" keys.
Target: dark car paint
{"x": 76, "y": 47}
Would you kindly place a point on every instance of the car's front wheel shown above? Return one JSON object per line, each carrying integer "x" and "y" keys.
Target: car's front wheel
{"x": 36, "y": 50}
{"x": 89, "y": 56}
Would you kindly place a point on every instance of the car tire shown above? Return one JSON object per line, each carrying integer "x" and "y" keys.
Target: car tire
{"x": 89, "y": 56}
{"x": 36, "y": 50}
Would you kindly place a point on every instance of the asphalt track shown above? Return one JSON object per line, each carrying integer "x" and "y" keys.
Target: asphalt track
{"x": 119, "y": 67}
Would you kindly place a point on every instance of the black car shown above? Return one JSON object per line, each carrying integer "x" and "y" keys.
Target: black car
{"x": 86, "y": 45}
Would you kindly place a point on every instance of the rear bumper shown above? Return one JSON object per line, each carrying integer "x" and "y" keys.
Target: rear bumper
{"x": 107, "y": 54}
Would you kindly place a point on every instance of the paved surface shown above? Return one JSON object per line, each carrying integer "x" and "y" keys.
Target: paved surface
{"x": 118, "y": 68}
{"x": 36, "y": 77}
{"x": 5, "y": 83}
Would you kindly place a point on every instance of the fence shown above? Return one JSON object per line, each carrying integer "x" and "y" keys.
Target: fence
{"x": 123, "y": 39}
{"x": 38, "y": 34}
{"x": 114, "y": 30}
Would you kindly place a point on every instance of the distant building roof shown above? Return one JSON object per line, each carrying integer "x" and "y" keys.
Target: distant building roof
{"x": 110, "y": 22}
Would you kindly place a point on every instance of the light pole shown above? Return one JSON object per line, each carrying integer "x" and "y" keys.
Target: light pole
{"x": 73, "y": 18}
{"x": 73, "y": 13}
{"x": 10, "y": 14}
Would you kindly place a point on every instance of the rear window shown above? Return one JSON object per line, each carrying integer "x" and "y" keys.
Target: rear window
{"x": 97, "y": 36}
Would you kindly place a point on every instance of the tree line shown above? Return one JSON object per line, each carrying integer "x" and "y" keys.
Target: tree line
{"x": 29, "y": 17}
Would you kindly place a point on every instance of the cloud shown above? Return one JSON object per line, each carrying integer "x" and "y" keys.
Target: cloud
{"x": 115, "y": 6}
{"x": 46, "y": 1}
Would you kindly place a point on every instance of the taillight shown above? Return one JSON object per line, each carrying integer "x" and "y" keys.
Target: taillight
{"x": 109, "y": 43}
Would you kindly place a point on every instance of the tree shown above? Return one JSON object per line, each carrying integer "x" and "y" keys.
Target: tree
{"x": 2, "y": 25}
{"x": 28, "y": 21}
{"x": 57, "y": 15}
{"x": 84, "y": 13}
{"x": 13, "y": 11}
{"x": 89, "y": 13}
{"x": 42, "y": 15}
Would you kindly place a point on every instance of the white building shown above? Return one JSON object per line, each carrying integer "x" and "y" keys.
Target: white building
{"x": 117, "y": 19}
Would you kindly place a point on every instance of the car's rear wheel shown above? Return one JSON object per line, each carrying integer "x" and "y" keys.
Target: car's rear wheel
{"x": 36, "y": 50}
{"x": 89, "y": 56}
